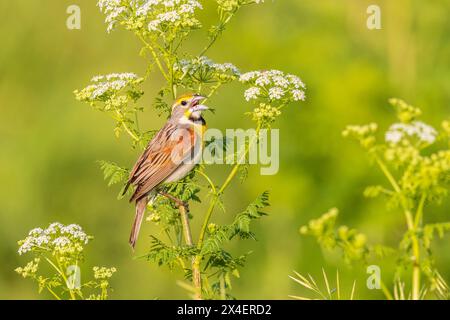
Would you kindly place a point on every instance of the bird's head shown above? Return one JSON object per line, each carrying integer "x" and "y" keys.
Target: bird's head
{"x": 189, "y": 107}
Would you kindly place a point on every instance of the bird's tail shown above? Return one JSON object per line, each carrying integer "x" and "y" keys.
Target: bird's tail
{"x": 141, "y": 204}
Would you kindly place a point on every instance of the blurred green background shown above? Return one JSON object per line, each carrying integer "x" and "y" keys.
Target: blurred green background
{"x": 49, "y": 143}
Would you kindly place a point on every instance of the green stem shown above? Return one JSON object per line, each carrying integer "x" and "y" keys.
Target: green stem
{"x": 136, "y": 120}
{"x": 130, "y": 132}
{"x": 213, "y": 90}
{"x": 388, "y": 174}
{"x": 416, "y": 278}
{"x": 173, "y": 86}
{"x": 416, "y": 248}
{"x": 72, "y": 295}
{"x": 411, "y": 228}
{"x": 386, "y": 291}
{"x": 223, "y": 292}
{"x": 211, "y": 184}
{"x": 212, "y": 204}
{"x": 390, "y": 177}
{"x": 197, "y": 277}
{"x": 120, "y": 118}
{"x": 197, "y": 259}
{"x": 155, "y": 56}
{"x": 216, "y": 35}
{"x": 419, "y": 213}
{"x": 53, "y": 293}
{"x": 227, "y": 182}
{"x": 196, "y": 274}
{"x": 186, "y": 227}
{"x": 61, "y": 273}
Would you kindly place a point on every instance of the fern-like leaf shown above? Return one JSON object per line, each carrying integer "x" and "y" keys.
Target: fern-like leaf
{"x": 241, "y": 224}
{"x": 113, "y": 173}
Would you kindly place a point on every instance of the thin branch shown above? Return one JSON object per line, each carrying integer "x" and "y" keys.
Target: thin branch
{"x": 155, "y": 56}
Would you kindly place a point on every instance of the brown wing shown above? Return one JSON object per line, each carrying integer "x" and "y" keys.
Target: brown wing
{"x": 159, "y": 159}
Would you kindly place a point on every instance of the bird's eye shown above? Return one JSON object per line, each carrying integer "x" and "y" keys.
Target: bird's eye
{"x": 184, "y": 102}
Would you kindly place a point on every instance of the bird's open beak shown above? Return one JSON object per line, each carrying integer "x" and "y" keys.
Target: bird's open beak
{"x": 197, "y": 99}
{"x": 196, "y": 104}
{"x": 199, "y": 107}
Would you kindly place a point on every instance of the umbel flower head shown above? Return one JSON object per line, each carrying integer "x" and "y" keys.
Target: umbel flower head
{"x": 271, "y": 91}
{"x": 421, "y": 174}
{"x": 58, "y": 239}
{"x": 151, "y": 16}
{"x": 62, "y": 246}
{"x": 405, "y": 132}
{"x": 274, "y": 86}
{"x": 104, "y": 87}
{"x": 112, "y": 92}
{"x": 204, "y": 70}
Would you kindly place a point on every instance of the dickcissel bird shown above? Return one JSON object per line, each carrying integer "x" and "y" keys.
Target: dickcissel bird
{"x": 170, "y": 156}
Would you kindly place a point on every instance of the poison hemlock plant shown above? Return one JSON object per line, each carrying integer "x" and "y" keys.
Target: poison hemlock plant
{"x": 57, "y": 257}
{"x": 415, "y": 160}
{"x": 162, "y": 28}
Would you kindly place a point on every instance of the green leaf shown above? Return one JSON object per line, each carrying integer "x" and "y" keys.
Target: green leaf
{"x": 160, "y": 104}
{"x": 430, "y": 230}
{"x": 113, "y": 173}
{"x": 165, "y": 255}
{"x": 241, "y": 225}
{"x": 373, "y": 191}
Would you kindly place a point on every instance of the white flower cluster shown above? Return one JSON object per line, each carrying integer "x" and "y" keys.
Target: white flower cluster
{"x": 107, "y": 84}
{"x": 127, "y": 76}
{"x": 57, "y": 237}
{"x": 113, "y": 9}
{"x": 252, "y": 93}
{"x": 273, "y": 85}
{"x": 399, "y": 131}
{"x": 203, "y": 68}
{"x": 156, "y": 14}
{"x": 173, "y": 12}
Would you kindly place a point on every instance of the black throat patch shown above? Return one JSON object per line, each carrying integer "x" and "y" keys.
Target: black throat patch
{"x": 198, "y": 120}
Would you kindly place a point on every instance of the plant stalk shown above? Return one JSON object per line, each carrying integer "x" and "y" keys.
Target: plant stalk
{"x": 196, "y": 275}
{"x": 227, "y": 182}
{"x": 197, "y": 260}
{"x": 223, "y": 292}
{"x": 412, "y": 227}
